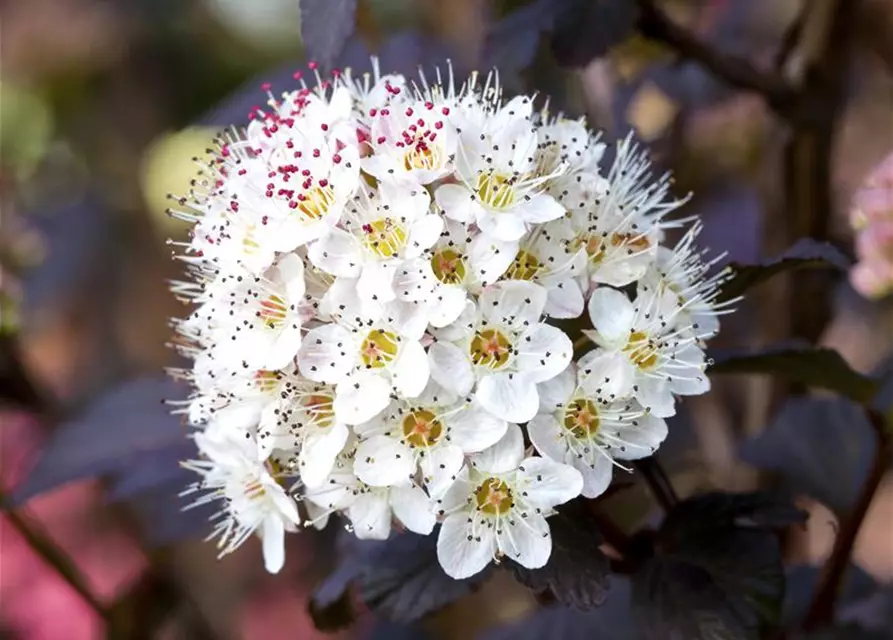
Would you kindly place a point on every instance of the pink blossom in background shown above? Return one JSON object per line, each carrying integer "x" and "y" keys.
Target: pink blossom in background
{"x": 35, "y": 604}
{"x": 872, "y": 217}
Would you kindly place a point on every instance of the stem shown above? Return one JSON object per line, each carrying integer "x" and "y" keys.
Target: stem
{"x": 654, "y": 23}
{"x": 821, "y": 612}
{"x": 658, "y": 482}
{"x": 50, "y": 553}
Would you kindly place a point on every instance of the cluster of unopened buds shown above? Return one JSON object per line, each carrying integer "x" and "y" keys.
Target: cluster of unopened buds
{"x": 375, "y": 267}
{"x": 872, "y": 218}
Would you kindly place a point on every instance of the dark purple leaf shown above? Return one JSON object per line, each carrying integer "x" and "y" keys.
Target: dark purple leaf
{"x": 511, "y": 43}
{"x": 325, "y": 27}
{"x": 577, "y": 571}
{"x": 717, "y": 569}
{"x": 127, "y": 422}
{"x": 399, "y": 578}
{"x": 588, "y": 29}
{"x": 163, "y": 520}
{"x": 819, "y": 446}
{"x": 611, "y": 621}
{"x": 805, "y": 254}
{"x": 149, "y": 471}
{"x": 799, "y": 362}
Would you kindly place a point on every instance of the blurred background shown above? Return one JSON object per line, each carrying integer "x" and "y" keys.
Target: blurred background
{"x": 103, "y": 103}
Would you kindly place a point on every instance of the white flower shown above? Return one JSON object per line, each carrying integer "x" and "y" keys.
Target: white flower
{"x": 680, "y": 276}
{"x": 642, "y": 352}
{"x": 413, "y": 141}
{"x": 372, "y": 509}
{"x": 367, "y": 361}
{"x": 380, "y": 230}
{"x": 500, "y": 190}
{"x": 256, "y": 321}
{"x": 498, "y": 507}
{"x": 577, "y": 428}
{"x": 545, "y": 257}
{"x": 433, "y": 432}
{"x": 503, "y": 345}
{"x": 254, "y": 501}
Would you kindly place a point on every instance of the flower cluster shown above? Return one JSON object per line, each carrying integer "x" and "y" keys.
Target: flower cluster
{"x": 872, "y": 218}
{"x": 374, "y": 266}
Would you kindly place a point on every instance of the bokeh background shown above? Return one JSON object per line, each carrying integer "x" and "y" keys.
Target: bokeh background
{"x": 103, "y": 103}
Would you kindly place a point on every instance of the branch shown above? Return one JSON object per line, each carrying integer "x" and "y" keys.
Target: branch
{"x": 658, "y": 482}
{"x": 655, "y": 24}
{"x": 821, "y": 612}
{"x": 49, "y": 552}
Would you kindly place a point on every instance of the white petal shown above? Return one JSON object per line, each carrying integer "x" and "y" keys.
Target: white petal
{"x": 555, "y": 393}
{"x": 409, "y": 319}
{"x": 547, "y": 483}
{"x": 547, "y": 437}
{"x": 455, "y": 200}
{"x": 507, "y": 226}
{"x": 423, "y": 234}
{"x": 414, "y": 509}
{"x": 527, "y": 541}
{"x": 450, "y": 367}
{"x": 326, "y": 353}
{"x": 606, "y": 374}
{"x": 565, "y": 299}
{"x": 459, "y": 494}
{"x": 489, "y": 258}
{"x": 410, "y": 372}
{"x": 291, "y": 271}
{"x": 540, "y": 208}
{"x": 273, "y": 534}
{"x": 382, "y": 461}
{"x": 414, "y": 280}
{"x": 634, "y": 441}
{"x": 612, "y": 315}
{"x": 440, "y": 466}
{"x": 514, "y": 302}
{"x": 360, "y": 397}
{"x": 337, "y": 253}
{"x": 655, "y": 395}
{"x": 464, "y": 550}
{"x": 544, "y": 353}
{"x": 318, "y": 453}
{"x": 503, "y": 456}
{"x": 474, "y": 429}
{"x": 376, "y": 282}
{"x": 284, "y": 348}
{"x": 509, "y": 396}
{"x": 370, "y": 515}
{"x": 447, "y": 305}
{"x": 596, "y": 475}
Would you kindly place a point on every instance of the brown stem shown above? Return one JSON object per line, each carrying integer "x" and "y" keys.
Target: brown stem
{"x": 50, "y": 553}
{"x": 739, "y": 72}
{"x": 821, "y": 612}
{"x": 658, "y": 482}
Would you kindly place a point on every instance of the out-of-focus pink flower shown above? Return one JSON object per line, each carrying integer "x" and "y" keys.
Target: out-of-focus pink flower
{"x": 872, "y": 217}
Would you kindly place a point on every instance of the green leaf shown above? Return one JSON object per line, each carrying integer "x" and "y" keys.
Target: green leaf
{"x": 799, "y": 362}
{"x": 805, "y": 254}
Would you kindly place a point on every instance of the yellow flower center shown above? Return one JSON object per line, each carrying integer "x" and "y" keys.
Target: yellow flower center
{"x": 490, "y": 348}
{"x": 316, "y": 202}
{"x": 496, "y": 190}
{"x": 581, "y": 418}
{"x": 448, "y": 266}
{"x": 272, "y": 311}
{"x": 267, "y": 381}
{"x": 422, "y": 156}
{"x": 421, "y": 428}
{"x": 493, "y": 497}
{"x": 641, "y": 349}
{"x": 384, "y": 237}
{"x": 524, "y": 267}
{"x": 378, "y": 349}
{"x": 320, "y": 408}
